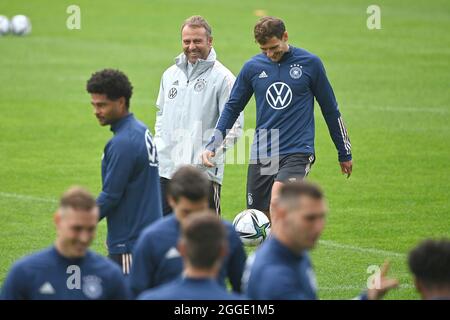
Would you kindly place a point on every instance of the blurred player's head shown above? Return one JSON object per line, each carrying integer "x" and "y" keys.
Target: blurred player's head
{"x": 196, "y": 38}
{"x": 76, "y": 222}
{"x": 271, "y": 36}
{"x": 110, "y": 95}
{"x": 430, "y": 264}
{"x": 298, "y": 215}
{"x": 188, "y": 192}
{"x": 203, "y": 244}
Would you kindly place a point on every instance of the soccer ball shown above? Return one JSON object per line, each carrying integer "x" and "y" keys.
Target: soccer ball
{"x": 252, "y": 226}
{"x": 4, "y": 25}
{"x": 20, "y": 25}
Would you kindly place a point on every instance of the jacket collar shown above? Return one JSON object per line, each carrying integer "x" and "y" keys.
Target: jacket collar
{"x": 200, "y": 66}
{"x": 287, "y": 54}
{"x": 118, "y": 124}
{"x": 285, "y": 251}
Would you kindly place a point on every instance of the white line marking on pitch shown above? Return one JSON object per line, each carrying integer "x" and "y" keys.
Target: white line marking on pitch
{"x": 329, "y": 243}
{"x": 407, "y": 109}
{"x": 350, "y": 287}
{"x": 25, "y": 197}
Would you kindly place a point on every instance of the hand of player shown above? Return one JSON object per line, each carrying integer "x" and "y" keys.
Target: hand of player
{"x": 347, "y": 167}
{"x": 385, "y": 284}
{"x": 206, "y": 158}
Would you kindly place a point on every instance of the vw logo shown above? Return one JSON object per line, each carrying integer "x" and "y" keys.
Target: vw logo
{"x": 172, "y": 93}
{"x": 279, "y": 95}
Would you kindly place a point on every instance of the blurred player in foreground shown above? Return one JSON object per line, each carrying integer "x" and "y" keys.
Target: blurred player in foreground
{"x": 157, "y": 259}
{"x": 203, "y": 246}
{"x": 281, "y": 268}
{"x": 68, "y": 270}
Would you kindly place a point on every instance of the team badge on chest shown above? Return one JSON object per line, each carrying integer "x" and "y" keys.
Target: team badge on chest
{"x": 92, "y": 287}
{"x": 200, "y": 85}
{"x": 296, "y": 71}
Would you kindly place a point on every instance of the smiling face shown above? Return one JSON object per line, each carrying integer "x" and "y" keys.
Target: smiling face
{"x": 107, "y": 111}
{"x": 274, "y": 48}
{"x": 196, "y": 43}
{"x": 75, "y": 230}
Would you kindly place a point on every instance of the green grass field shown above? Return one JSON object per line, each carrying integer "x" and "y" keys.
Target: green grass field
{"x": 392, "y": 86}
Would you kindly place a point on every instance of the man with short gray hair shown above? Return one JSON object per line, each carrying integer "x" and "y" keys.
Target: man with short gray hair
{"x": 429, "y": 263}
{"x": 203, "y": 245}
{"x": 298, "y": 219}
{"x": 192, "y": 94}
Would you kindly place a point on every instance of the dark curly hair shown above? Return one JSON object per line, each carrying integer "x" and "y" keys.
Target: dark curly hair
{"x": 113, "y": 83}
{"x": 430, "y": 262}
{"x": 197, "y": 22}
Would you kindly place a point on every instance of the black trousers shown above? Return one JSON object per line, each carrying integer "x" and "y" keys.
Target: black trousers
{"x": 262, "y": 175}
{"x": 213, "y": 197}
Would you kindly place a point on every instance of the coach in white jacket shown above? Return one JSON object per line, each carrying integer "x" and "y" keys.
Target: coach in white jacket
{"x": 192, "y": 94}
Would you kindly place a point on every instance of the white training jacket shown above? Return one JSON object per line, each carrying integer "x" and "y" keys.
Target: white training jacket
{"x": 189, "y": 108}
